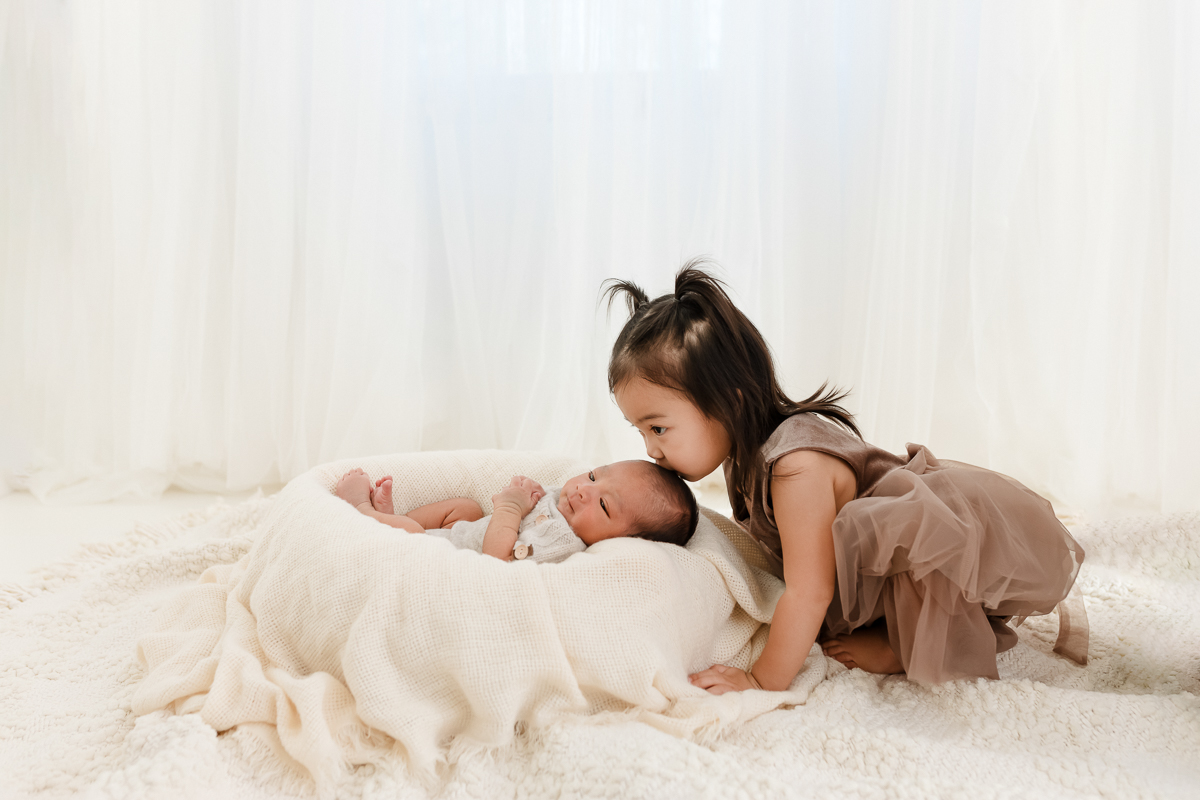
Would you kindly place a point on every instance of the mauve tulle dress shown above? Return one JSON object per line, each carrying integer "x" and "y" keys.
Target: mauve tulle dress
{"x": 946, "y": 552}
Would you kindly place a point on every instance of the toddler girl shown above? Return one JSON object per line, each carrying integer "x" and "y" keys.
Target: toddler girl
{"x": 628, "y": 498}
{"x": 897, "y": 563}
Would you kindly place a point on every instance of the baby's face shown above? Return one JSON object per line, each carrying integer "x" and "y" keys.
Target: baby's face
{"x": 606, "y": 502}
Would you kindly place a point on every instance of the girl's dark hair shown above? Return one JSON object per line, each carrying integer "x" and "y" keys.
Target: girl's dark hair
{"x": 698, "y": 343}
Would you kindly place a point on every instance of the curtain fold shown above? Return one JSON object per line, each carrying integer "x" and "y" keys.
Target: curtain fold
{"x": 241, "y": 239}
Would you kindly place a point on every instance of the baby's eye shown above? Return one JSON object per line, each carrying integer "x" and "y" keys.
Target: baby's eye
{"x": 604, "y": 508}
{"x": 657, "y": 430}
{"x": 592, "y": 477}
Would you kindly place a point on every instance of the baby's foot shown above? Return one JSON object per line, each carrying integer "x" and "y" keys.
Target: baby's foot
{"x": 866, "y": 648}
{"x": 381, "y": 498}
{"x": 354, "y": 487}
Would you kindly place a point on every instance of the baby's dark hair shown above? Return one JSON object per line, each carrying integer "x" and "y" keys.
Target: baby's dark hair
{"x": 696, "y": 342}
{"x": 674, "y": 517}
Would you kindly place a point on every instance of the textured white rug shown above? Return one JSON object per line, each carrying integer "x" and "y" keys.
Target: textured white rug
{"x": 1127, "y": 725}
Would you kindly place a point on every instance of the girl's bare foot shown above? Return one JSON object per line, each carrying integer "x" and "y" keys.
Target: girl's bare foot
{"x": 354, "y": 487}
{"x": 381, "y": 498}
{"x": 866, "y": 648}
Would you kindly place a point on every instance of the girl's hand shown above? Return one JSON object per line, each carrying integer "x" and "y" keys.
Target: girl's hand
{"x": 719, "y": 679}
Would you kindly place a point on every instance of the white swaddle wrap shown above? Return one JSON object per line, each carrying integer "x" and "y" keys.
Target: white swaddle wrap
{"x": 335, "y": 637}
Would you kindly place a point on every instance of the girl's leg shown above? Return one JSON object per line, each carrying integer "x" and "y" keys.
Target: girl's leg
{"x": 866, "y": 648}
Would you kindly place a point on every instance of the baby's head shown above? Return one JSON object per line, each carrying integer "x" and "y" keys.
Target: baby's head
{"x": 629, "y": 498}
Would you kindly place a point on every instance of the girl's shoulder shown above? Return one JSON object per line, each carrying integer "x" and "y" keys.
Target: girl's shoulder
{"x": 808, "y": 431}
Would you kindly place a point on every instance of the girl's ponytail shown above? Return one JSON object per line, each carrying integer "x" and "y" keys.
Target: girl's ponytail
{"x": 635, "y": 298}
{"x": 696, "y": 342}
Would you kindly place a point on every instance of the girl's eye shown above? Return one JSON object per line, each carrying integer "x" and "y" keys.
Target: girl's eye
{"x": 657, "y": 430}
{"x": 592, "y": 477}
{"x": 604, "y": 508}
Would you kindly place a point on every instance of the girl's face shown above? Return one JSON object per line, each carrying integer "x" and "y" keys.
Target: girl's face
{"x": 676, "y": 434}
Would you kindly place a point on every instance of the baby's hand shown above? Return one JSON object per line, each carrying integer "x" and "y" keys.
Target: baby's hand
{"x": 521, "y": 495}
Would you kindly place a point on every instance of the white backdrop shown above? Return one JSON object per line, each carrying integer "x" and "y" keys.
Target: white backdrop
{"x": 240, "y": 239}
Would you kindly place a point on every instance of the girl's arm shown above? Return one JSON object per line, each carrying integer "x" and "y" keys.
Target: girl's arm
{"x": 808, "y": 489}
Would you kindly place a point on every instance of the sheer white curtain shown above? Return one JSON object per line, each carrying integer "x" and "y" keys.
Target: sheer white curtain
{"x": 240, "y": 239}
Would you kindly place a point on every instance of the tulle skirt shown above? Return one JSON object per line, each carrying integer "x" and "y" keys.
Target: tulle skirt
{"x": 948, "y": 554}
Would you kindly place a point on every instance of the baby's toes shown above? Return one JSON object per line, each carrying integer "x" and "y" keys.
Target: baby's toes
{"x": 381, "y": 498}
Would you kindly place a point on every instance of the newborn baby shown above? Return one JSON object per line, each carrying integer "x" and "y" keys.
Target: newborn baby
{"x": 628, "y": 498}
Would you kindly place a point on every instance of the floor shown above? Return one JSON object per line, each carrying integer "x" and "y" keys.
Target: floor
{"x": 33, "y": 534}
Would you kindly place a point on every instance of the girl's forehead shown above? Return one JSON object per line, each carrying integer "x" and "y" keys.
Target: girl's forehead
{"x": 645, "y": 400}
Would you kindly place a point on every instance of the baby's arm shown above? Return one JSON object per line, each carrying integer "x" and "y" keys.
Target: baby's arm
{"x": 510, "y": 506}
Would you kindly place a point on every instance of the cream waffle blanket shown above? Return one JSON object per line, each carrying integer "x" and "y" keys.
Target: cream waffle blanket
{"x": 338, "y": 641}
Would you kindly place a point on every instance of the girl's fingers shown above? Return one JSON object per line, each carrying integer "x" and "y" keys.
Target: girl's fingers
{"x": 715, "y": 684}
{"x": 706, "y": 678}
